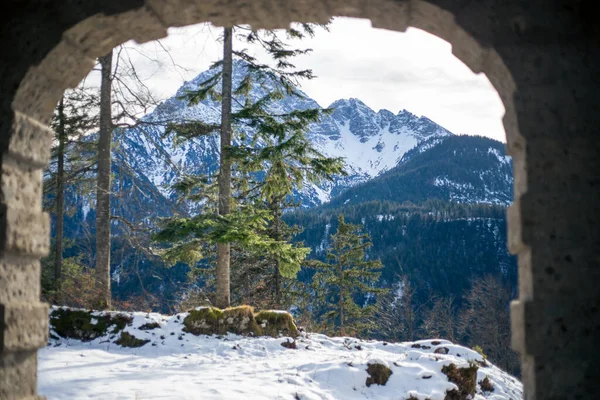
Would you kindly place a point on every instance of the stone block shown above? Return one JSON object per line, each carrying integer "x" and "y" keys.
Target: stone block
{"x": 37, "y": 95}
{"x": 433, "y": 19}
{"x": 100, "y": 33}
{"x": 18, "y": 375}
{"x": 30, "y": 140}
{"x": 21, "y": 184}
{"x": 24, "y": 232}
{"x": 67, "y": 64}
{"x": 515, "y": 241}
{"x": 466, "y": 49}
{"x": 25, "y": 326}
{"x": 517, "y": 326}
{"x": 19, "y": 280}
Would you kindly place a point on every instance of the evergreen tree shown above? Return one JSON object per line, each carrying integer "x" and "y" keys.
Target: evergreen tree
{"x": 265, "y": 168}
{"x": 72, "y": 157}
{"x": 289, "y": 161}
{"x": 348, "y": 275}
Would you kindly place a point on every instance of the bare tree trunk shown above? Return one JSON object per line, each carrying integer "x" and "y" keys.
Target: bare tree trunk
{"x": 222, "y": 295}
{"x": 341, "y": 301}
{"x": 103, "y": 186}
{"x": 277, "y": 236}
{"x": 60, "y": 196}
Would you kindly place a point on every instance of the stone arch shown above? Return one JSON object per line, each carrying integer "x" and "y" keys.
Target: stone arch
{"x": 516, "y": 44}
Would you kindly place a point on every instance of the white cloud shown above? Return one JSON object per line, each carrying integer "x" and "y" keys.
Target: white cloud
{"x": 415, "y": 71}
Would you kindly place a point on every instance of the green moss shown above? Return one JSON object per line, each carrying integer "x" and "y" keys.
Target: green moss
{"x": 240, "y": 320}
{"x": 464, "y": 378}
{"x": 479, "y": 350}
{"x": 82, "y": 325}
{"x": 378, "y": 374}
{"x": 128, "y": 340}
{"x": 213, "y": 321}
{"x": 276, "y": 323}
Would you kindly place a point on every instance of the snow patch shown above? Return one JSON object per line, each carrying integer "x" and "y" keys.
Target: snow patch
{"x": 175, "y": 364}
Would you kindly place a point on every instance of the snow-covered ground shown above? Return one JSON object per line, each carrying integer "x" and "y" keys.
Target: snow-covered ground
{"x": 176, "y": 365}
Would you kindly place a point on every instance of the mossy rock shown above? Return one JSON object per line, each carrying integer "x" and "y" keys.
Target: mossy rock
{"x": 128, "y": 340}
{"x": 213, "y": 321}
{"x": 149, "y": 326}
{"x": 82, "y": 325}
{"x": 276, "y": 323}
{"x": 378, "y": 374}
{"x": 486, "y": 384}
{"x": 464, "y": 378}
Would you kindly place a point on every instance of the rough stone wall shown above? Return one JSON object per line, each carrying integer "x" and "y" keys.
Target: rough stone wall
{"x": 540, "y": 55}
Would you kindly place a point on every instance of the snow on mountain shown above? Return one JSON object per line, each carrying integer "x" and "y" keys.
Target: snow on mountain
{"x": 462, "y": 169}
{"x": 370, "y": 142}
{"x": 178, "y": 365}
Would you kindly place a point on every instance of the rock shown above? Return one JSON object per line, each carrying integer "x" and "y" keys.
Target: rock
{"x": 442, "y": 350}
{"x": 464, "y": 378}
{"x": 213, "y": 321}
{"x": 289, "y": 345}
{"x": 128, "y": 340}
{"x": 486, "y": 384}
{"x": 276, "y": 323}
{"x": 86, "y": 325}
{"x": 379, "y": 373}
{"x": 239, "y": 320}
{"x": 149, "y": 326}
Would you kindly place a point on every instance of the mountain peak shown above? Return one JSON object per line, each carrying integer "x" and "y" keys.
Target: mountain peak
{"x": 350, "y": 102}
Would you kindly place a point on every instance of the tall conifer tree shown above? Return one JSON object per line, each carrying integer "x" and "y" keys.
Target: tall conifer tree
{"x": 278, "y": 147}
{"x": 347, "y": 275}
{"x": 72, "y": 157}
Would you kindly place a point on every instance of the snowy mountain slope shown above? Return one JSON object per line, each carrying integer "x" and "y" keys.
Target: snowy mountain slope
{"x": 370, "y": 142}
{"x": 462, "y": 169}
{"x": 176, "y": 365}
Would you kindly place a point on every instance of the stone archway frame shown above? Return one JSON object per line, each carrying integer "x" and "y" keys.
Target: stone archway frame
{"x": 26, "y": 233}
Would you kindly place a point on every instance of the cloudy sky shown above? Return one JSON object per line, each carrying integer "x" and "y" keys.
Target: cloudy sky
{"x": 415, "y": 71}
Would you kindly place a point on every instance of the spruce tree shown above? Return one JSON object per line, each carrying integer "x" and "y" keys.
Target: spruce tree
{"x": 347, "y": 276}
{"x": 289, "y": 161}
{"x": 278, "y": 146}
{"x": 71, "y": 159}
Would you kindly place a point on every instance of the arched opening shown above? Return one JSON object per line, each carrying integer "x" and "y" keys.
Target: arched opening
{"x": 60, "y": 60}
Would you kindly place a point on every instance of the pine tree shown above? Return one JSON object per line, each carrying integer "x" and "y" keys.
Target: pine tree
{"x": 250, "y": 206}
{"x": 348, "y": 276}
{"x": 289, "y": 161}
{"x": 72, "y": 158}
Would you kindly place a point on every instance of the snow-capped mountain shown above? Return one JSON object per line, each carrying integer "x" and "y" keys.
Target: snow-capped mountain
{"x": 370, "y": 142}
{"x": 461, "y": 169}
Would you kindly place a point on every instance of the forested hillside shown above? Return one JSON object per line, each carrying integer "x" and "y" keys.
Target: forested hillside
{"x": 441, "y": 246}
{"x": 463, "y": 169}
{"x": 437, "y": 222}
